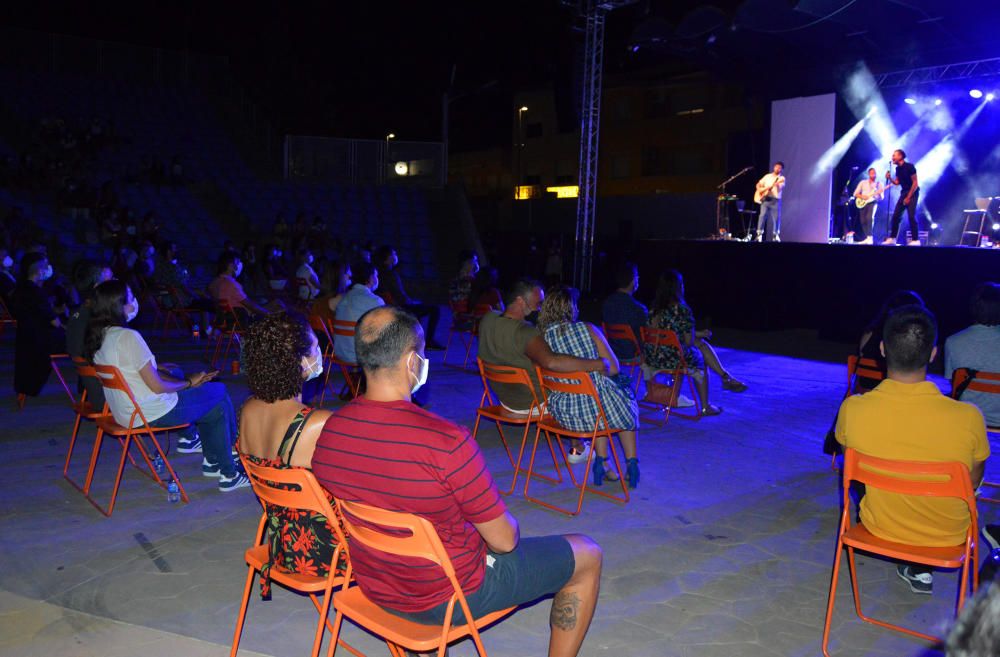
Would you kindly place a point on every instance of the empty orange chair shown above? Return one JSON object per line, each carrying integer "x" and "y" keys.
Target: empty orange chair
{"x": 466, "y": 325}
{"x": 658, "y": 338}
{"x": 493, "y": 410}
{"x": 291, "y": 488}
{"x": 111, "y": 378}
{"x": 962, "y": 379}
{"x": 624, "y": 332}
{"x": 228, "y": 328}
{"x": 574, "y": 383}
{"x": 406, "y": 535}
{"x": 351, "y": 371}
{"x": 906, "y": 478}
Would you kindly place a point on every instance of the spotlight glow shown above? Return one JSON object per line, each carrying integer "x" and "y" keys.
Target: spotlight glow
{"x": 975, "y": 93}
{"x": 937, "y": 102}
{"x": 996, "y": 226}
{"x": 990, "y": 96}
{"x": 910, "y": 101}
{"x": 934, "y": 226}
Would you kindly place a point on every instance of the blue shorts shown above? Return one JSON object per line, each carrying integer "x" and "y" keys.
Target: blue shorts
{"x": 538, "y": 567}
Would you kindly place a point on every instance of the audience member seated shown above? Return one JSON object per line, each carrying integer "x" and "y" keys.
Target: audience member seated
{"x": 8, "y": 281}
{"x": 906, "y": 418}
{"x": 308, "y": 281}
{"x": 39, "y": 330}
{"x": 359, "y": 299}
{"x": 485, "y": 291}
{"x": 460, "y": 287}
{"x": 510, "y": 339}
{"x": 87, "y": 275}
{"x": 671, "y": 312}
{"x": 277, "y": 430}
{"x": 170, "y": 273}
{"x": 869, "y": 345}
{"x": 274, "y": 270}
{"x": 565, "y": 335}
{"x": 203, "y": 403}
{"x": 336, "y": 282}
{"x": 436, "y": 471}
{"x": 225, "y": 287}
{"x": 621, "y": 308}
{"x": 978, "y": 348}
{"x": 386, "y": 260}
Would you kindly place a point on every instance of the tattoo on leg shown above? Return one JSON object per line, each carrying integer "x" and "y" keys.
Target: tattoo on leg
{"x": 564, "y": 610}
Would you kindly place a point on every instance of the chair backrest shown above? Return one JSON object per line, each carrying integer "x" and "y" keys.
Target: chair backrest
{"x": 343, "y": 327}
{"x": 392, "y": 532}
{"x": 865, "y": 368}
{"x": 85, "y": 370}
{"x": 320, "y": 328}
{"x": 661, "y": 337}
{"x": 916, "y": 478}
{"x": 491, "y": 373}
{"x": 983, "y": 382}
{"x": 572, "y": 383}
{"x": 292, "y": 488}
{"x": 227, "y": 318}
{"x": 111, "y": 378}
{"x": 621, "y": 332}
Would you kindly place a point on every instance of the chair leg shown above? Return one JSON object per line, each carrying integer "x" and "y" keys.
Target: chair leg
{"x": 875, "y": 621}
{"x": 69, "y": 452}
{"x": 831, "y": 600}
{"x": 242, "y": 616}
{"x": 531, "y": 474}
{"x": 118, "y": 480}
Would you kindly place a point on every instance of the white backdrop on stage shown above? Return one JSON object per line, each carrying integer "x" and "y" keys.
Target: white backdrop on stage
{"x": 801, "y": 132}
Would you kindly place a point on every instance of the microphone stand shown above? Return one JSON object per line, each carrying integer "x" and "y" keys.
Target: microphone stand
{"x": 722, "y": 200}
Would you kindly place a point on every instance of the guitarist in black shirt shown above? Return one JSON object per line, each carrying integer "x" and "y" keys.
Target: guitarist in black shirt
{"x": 906, "y": 178}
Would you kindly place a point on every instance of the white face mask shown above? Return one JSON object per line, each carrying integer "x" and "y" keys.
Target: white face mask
{"x": 130, "y": 315}
{"x": 314, "y": 369}
{"x": 47, "y": 274}
{"x": 238, "y": 270}
{"x": 8, "y": 262}
{"x": 425, "y": 366}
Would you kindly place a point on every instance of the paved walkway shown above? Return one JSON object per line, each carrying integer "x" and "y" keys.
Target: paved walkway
{"x": 725, "y": 548}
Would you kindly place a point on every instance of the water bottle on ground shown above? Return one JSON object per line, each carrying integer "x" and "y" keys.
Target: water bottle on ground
{"x": 173, "y": 492}
{"x": 158, "y": 465}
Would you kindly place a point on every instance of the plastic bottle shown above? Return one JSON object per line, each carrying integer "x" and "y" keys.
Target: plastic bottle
{"x": 173, "y": 492}
{"x": 158, "y": 464}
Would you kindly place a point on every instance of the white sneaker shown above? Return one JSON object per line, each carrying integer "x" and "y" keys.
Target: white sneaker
{"x": 683, "y": 401}
{"x": 578, "y": 457}
{"x": 913, "y": 243}
{"x": 867, "y": 240}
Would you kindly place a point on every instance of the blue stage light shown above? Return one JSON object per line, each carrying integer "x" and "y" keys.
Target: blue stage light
{"x": 937, "y": 102}
{"x": 975, "y": 93}
{"x": 996, "y": 226}
{"x": 989, "y": 96}
{"x": 934, "y": 226}
{"x": 910, "y": 101}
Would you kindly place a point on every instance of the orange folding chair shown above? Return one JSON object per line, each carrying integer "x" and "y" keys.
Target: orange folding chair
{"x": 111, "y": 378}
{"x": 858, "y": 369}
{"x": 491, "y": 409}
{"x": 82, "y": 408}
{"x": 176, "y": 313}
{"x": 228, "y": 328}
{"x": 665, "y": 338}
{"x": 322, "y": 332}
{"x": 404, "y": 535}
{"x": 574, "y": 383}
{"x": 945, "y": 480}
{"x": 466, "y": 325}
{"x": 624, "y": 333}
{"x": 291, "y": 488}
{"x": 988, "y": 382}
{"x": 351, "y": 371}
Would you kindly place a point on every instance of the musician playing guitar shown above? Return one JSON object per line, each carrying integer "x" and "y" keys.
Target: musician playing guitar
{"x": 768, "y": 194}
{"x": 866, "y": 196}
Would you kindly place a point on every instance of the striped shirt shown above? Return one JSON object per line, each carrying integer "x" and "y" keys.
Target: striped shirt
{"x": 397, "y": 456}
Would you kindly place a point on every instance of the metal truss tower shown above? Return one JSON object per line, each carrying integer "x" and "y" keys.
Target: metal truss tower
{"x": 592, "y": 14}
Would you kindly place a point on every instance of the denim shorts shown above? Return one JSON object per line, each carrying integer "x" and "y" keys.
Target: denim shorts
{"x": 538, "y": 567}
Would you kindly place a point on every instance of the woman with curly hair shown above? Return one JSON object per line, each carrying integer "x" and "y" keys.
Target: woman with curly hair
{"x": 670, "y": 311}
{"x": 564, "y": 334}
{"x": 280, "y": 353}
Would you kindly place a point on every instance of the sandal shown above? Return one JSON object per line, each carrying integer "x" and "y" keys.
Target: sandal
{"x": 601, "y": 473}
{"x": 731, "y": 384}
{"x": 711, "y": 410}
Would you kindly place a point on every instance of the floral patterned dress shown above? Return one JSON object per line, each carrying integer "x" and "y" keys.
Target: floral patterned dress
{"x": 679, "y": 319}
{"x": 300, "y": 541}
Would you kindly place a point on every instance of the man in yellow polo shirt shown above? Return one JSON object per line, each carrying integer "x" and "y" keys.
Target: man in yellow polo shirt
{"x": 906, "y": 418}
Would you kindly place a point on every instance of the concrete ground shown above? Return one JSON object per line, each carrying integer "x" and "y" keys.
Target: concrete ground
{"x": 725, "y": 548}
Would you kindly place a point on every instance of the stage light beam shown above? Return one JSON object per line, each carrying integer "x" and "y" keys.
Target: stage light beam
{"x": 937, "y": 102}
{"x": 910, "y": 101}
{"x": 832, "y": 157}
{"x": 975, "y": 93}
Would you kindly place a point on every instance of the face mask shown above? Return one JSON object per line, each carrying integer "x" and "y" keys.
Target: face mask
{"x": 309, "y": 260}
{"x": 314, "y": 369}
{"x": 8, "y": 262}
{"x": 129, "y": 316}
{"x": 425, "y": 366}
{"x": 47, "y": 274}
{"x": 239, "y": 269}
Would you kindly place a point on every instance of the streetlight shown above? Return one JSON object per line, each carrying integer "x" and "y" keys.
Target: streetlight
{"x": 520, "y": 143}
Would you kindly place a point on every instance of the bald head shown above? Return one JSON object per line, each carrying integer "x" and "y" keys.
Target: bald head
{"x": 384, "y": 336}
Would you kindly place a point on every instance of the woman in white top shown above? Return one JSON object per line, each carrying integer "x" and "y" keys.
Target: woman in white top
{"x": 306, "y": 275}
{"x": 204, "y": 404}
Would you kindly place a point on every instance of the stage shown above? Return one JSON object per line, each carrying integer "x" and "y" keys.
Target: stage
{"x": 833, "y": 288}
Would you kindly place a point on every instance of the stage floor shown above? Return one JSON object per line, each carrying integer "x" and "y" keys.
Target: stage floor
{"x": 725, "y": 549}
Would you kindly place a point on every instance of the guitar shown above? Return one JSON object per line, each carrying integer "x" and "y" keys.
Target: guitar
{"x": 762, "y": 192}
{"x": 862, "y": 202}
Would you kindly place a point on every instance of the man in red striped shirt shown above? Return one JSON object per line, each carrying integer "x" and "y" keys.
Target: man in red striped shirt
{"x": 384, "y": 451}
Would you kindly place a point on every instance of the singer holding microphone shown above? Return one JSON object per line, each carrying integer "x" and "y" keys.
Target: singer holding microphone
{"x": 906, "y": 178}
